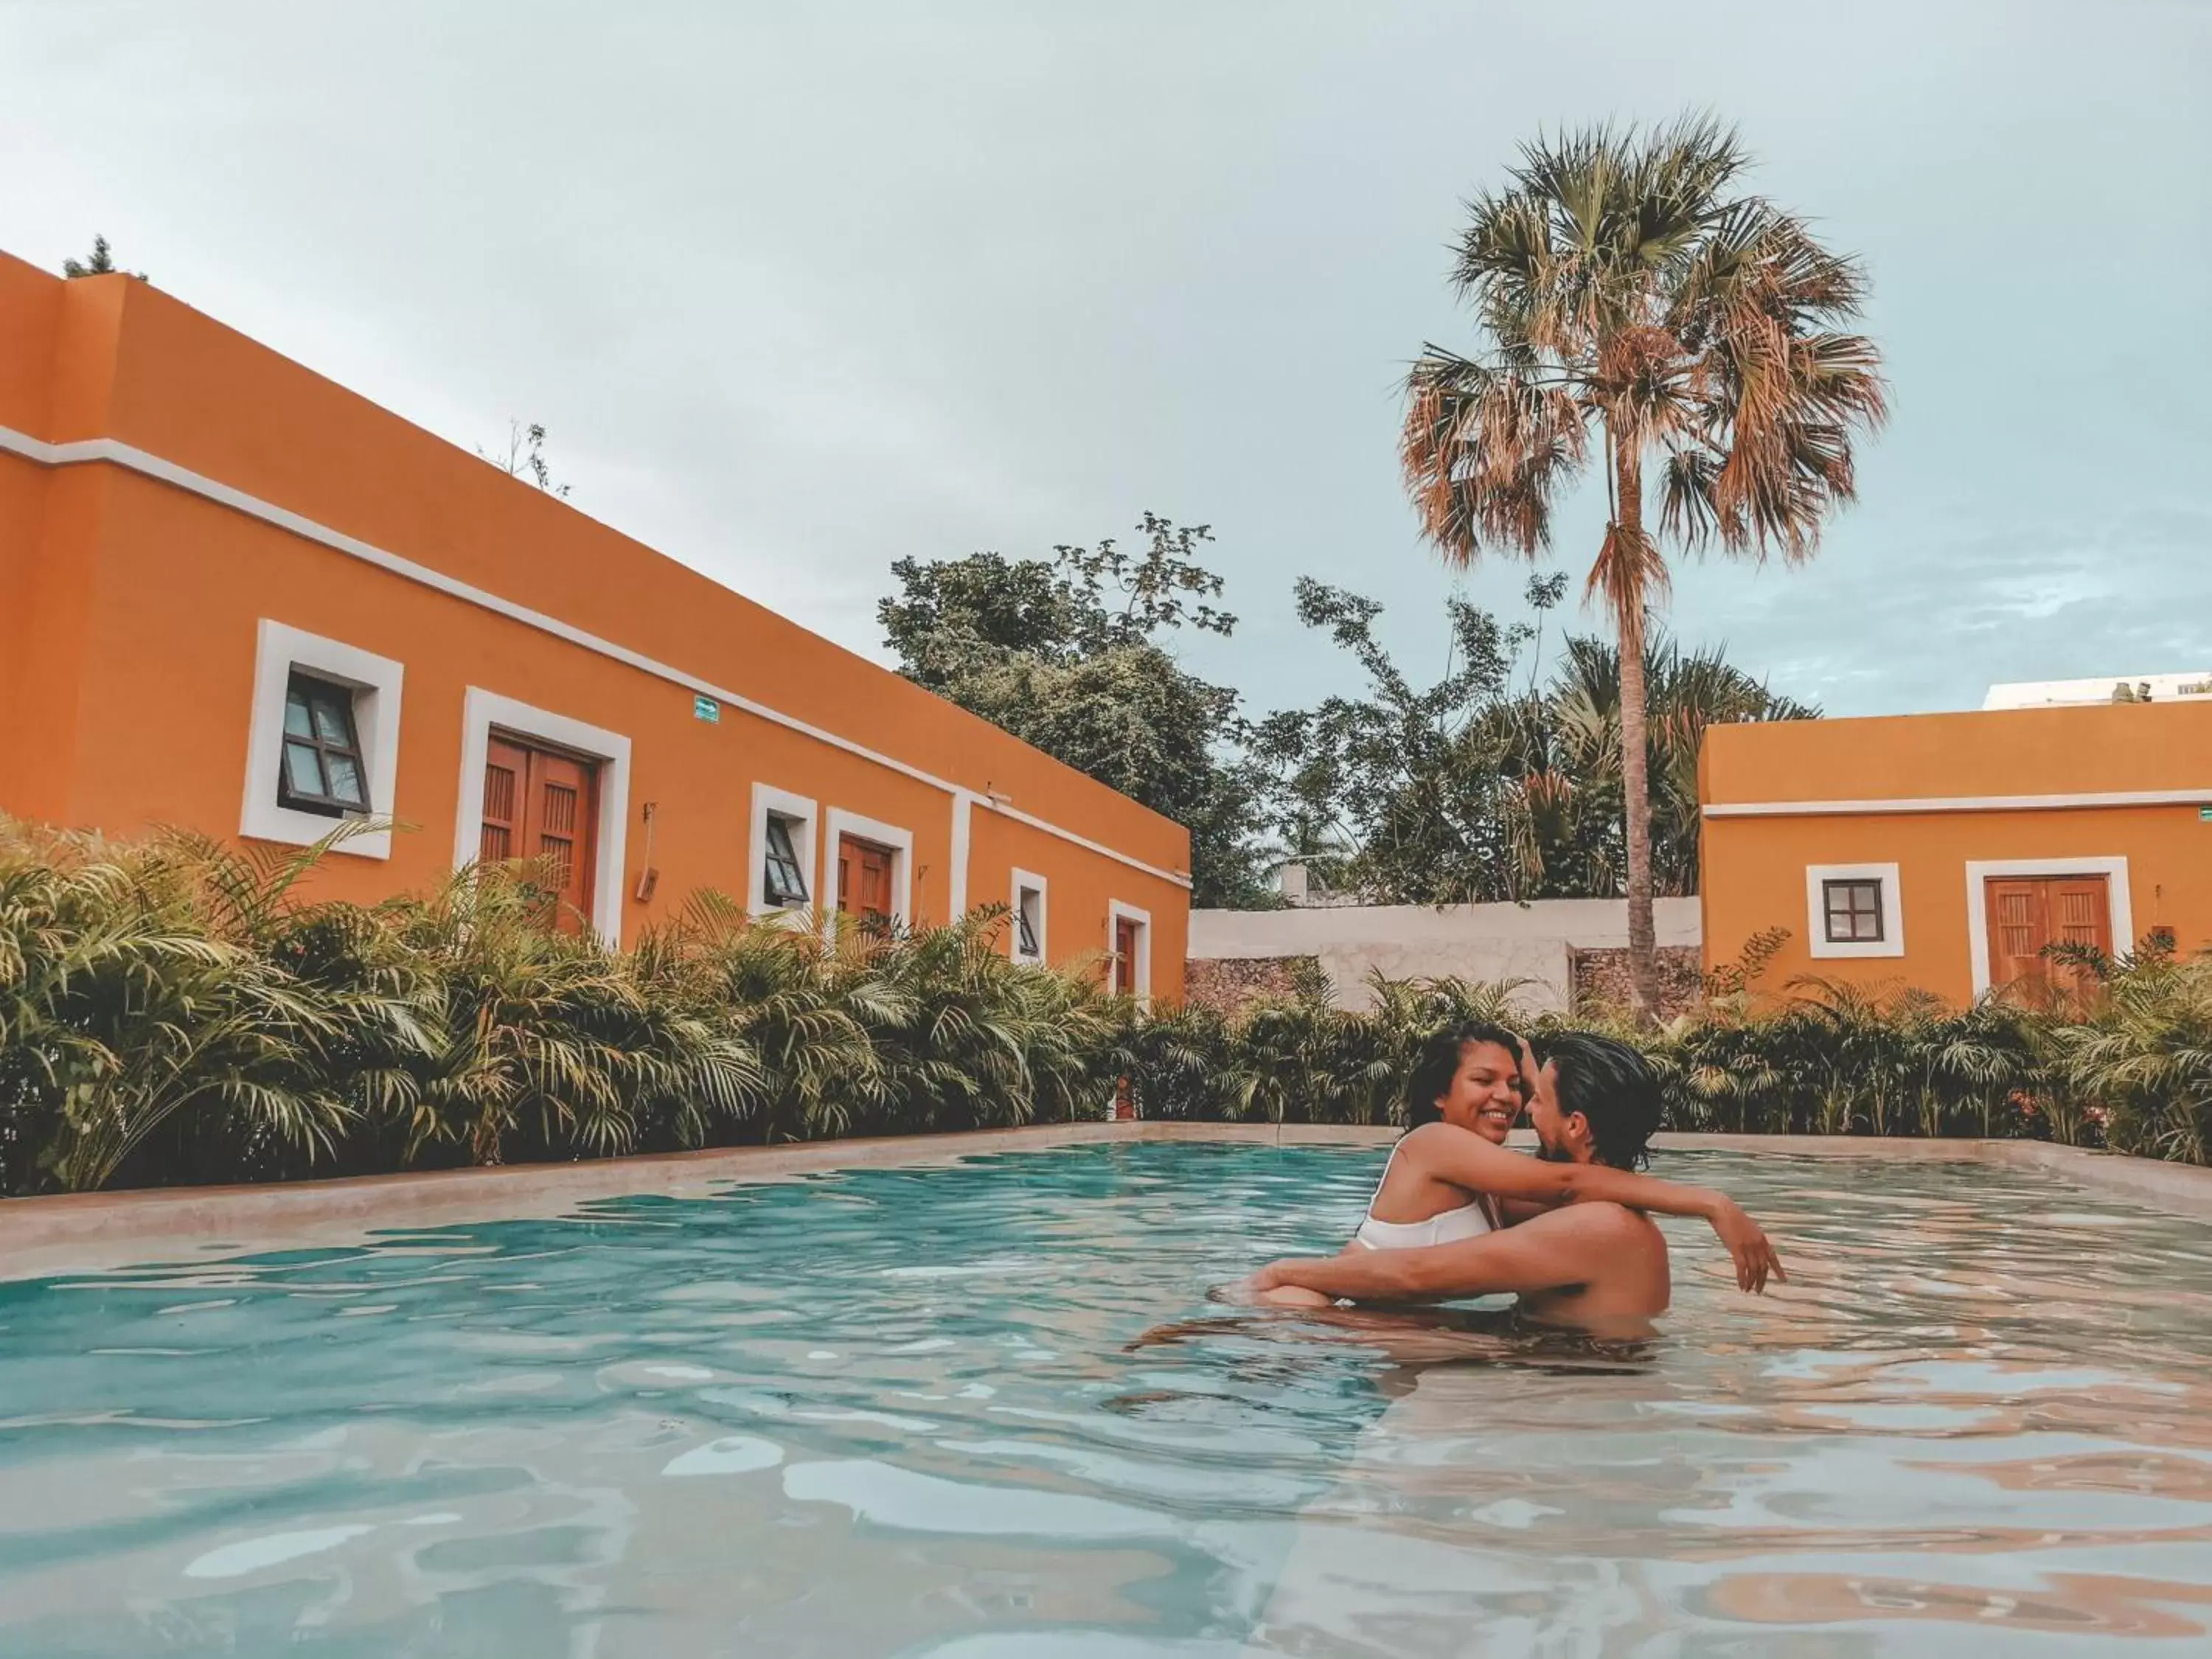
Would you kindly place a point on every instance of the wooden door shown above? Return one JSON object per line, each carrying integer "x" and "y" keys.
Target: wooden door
{"x": 543, "y": 804}
{"x": 1127, "y": 940}
{"x": 864, "y": 877}
{"x": 2029, "y": 912}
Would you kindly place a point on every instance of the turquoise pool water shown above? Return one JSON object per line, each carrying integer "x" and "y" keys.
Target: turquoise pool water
{"x": 898, "y": 1412}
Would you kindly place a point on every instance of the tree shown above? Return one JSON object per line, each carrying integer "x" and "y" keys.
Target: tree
{"x": 1628, "y": 297}
{"x": 1064, "y": 653}
{"x": 525, "y": 457}
{"x": 1467, "y": 792}
{"x": 1398, "y": 796}
{"x": 100, "y": 263}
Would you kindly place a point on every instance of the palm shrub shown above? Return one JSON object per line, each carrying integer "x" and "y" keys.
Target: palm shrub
{"x": 2137, "y": 1065}
{"x": 123, "y": 1014}
{"x": 550, "y": 1045}
{"x": 965, "y": 1037}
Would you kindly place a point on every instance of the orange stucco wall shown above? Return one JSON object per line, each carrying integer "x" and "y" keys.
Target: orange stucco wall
{"x": 1754, "y": 866}
{"x": 127, "y": 650}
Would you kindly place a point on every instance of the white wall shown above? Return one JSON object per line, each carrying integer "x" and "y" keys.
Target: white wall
{"x": 1530, "y": 942}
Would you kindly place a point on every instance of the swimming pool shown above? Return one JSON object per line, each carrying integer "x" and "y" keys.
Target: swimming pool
{"x": 897, "y": 1411}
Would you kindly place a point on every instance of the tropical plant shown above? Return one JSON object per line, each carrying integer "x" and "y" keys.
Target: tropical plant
{"x": 2137, "y": 1062}
{"x": 1464, "y": 791}
{"x": 121, "y": 1014}
{"x": 1629, "y": 296}
{"x": 1070, "y": 655}
{"x": 176, "y": 1010}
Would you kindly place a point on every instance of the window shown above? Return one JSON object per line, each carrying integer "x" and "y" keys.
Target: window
{"x": 868, "y": 870}
{"x": 540, "y": 785}
{"x": 1128, "y": 951}
{"x": 1853, "y": 908}
{"x": 322, "y": 745}
{"x": 1029, "y": 917}
{"x": 542, "y": 805}
{"x": 782, "y": 850}
{"x": 321, "y": 771}
{"x": 864, "y": 877}
{"x": 783, "y": 880}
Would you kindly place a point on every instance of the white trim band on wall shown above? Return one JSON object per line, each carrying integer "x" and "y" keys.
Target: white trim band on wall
{"x": 85, "y": 451}
{"x": 1808, "y": 809}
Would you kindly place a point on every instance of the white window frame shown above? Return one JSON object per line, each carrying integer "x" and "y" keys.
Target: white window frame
{"x": 482, "y": 710}
{"x": 374, "y": 682}
{"x": 1029, "y": 881}
{"x": 1891, "y": 942}
{"x": 1980, "y": 871}
{"x": 805, "y": 816}
{"x": 836, "y": 824}
{"x": 1117, "y": 911}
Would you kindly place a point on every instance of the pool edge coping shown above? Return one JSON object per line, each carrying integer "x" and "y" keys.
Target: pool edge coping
{"x": 82, "y": 1230}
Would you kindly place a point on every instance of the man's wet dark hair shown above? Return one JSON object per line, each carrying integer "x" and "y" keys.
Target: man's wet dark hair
{"x": 1612, "y": 1085}
{"x": 1439, "y": 1063}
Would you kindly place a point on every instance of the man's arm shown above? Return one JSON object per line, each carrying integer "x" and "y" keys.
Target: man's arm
{"x": 1547, "y": 1253}
{"x": 1469, "y": 1161}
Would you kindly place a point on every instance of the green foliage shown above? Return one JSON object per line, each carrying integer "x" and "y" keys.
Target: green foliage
{"x": 1468, "y": 790}
{"x": 1638, "y": 315}
{"x": 179, "y": 1011}
{"x": 1066, "y": 654}
{"x": 176, "y": 1010}
{"x": 101, "y": 262}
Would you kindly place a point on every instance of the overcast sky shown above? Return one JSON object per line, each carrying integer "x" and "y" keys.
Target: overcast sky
{"x": 802, "y": 289}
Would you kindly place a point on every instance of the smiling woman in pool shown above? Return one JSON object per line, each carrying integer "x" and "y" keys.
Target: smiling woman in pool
{"x": 1450, "y": 1177}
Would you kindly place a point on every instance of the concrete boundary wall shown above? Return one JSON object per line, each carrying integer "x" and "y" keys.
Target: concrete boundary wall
{"x": 88, "y": 1231}
{"x": 1535, "y": 943}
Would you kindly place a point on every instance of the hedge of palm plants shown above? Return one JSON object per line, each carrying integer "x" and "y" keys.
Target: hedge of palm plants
{"x": 176, "y": 1010}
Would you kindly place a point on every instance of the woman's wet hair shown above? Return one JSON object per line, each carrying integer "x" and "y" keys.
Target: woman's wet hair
{"x": 1612, "y": 1085}
{"x": 1439, "y": 1063}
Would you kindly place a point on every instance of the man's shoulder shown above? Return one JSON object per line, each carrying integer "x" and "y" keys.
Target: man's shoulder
{"x": 1601, "y": 1218}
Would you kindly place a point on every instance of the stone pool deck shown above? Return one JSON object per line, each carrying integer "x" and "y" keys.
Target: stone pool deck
{"x": 89, "y": 1230}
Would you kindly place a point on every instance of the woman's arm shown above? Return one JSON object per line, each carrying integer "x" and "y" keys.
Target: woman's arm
{"x": 1465, "y": 1159}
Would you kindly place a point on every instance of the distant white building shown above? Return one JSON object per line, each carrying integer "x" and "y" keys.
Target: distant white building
{"x": 2118, "y": 687}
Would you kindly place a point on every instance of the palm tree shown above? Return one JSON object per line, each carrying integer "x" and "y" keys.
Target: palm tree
{"x": 1626, "y": 294}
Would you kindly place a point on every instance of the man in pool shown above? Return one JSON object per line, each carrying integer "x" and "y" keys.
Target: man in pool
{"x": 1596, "y": 1267}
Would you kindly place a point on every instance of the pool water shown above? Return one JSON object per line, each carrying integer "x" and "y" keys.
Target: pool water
{"x": 985, "y": 1411}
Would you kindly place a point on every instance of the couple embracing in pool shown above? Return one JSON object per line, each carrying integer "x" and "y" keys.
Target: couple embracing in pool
{"x": 1458, "y": 1215}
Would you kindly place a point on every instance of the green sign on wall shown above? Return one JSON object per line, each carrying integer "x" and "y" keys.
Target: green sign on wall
{"x": 705, "y": 709}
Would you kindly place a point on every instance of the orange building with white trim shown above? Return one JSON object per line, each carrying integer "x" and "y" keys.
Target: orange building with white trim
{"x": 236, "y": 597}
{"x": 1946, "y": 851}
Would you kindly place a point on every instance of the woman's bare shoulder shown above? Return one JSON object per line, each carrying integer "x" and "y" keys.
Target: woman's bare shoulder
{"x": 1442, "y": 1137}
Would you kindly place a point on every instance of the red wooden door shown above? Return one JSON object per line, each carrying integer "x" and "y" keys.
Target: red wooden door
{"x": 541, "y": 804}
{"x": 864, "y": 877}
{"x": 2028, "y": 912}
{"x": 1128, "y": 939}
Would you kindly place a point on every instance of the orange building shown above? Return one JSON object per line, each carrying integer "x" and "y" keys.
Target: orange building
{"x": 1946, "y": 851}
{"x": 237, "y": 597}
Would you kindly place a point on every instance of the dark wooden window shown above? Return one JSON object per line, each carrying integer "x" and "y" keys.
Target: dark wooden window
{"x": 1854, "y": 911}
{"x": 1027, "y": 943}
{"x": 2029, "y": 915}
{"x": 784, "y": 882}
{"x": 543, "y": 804}
{"x": 864, "y": 877}
{"x": 322, "y": 770}
{"x": 1129, "y": 943}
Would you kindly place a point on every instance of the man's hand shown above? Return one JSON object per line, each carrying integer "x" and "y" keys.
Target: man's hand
{"x": 1753, "y": 1252}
